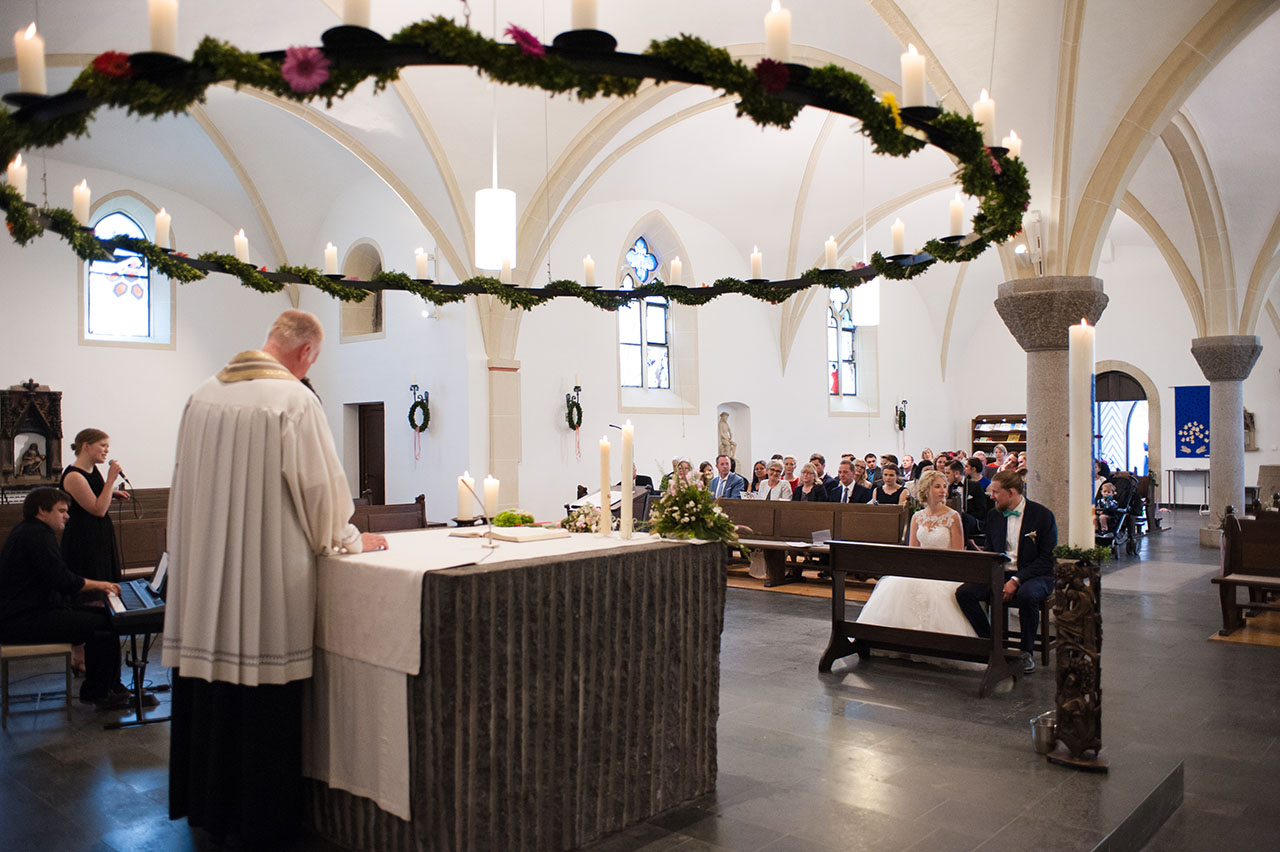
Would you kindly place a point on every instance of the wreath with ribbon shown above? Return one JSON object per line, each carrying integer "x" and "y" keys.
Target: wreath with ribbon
{"x": 573, "y": 414}
{"x": 419, "y": 405}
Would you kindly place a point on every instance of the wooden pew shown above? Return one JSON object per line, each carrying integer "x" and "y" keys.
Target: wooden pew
{"x": 394, "y": 516}
{"x": 781, "y": 527}
{"x": 957, "y": 566}
{"x": 1252, "y": 561}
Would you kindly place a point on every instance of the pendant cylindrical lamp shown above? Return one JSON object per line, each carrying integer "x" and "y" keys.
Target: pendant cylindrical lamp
{"x": 495, "y": 228}
{"x": 1080, "y": 436}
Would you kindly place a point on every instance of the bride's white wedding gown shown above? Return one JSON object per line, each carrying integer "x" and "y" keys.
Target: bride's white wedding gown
{"x": 917, "y": 604}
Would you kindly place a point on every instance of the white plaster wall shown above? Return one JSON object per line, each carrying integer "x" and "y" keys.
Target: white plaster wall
{"x": 136, "y": 395}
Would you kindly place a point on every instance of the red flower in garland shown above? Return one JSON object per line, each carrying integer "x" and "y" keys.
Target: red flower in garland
{"x": 773, "y": 75}
{"x": 113, "y": 63}
{"x": 529, "y": 44}
{"x": 305, "y": 69}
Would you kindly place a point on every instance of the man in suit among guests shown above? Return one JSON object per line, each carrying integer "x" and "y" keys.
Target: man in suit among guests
{"x": 873, "y": 472}
{"x": 819, "y": 461}
{"x": 846, "y": 488}
{"x": 726, "y": 484}
{"x": 973, "y": 500}
{"x": 1027, "y": 533}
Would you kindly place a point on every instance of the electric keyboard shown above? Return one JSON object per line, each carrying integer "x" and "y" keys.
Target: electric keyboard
{"x": 139, "y": 608}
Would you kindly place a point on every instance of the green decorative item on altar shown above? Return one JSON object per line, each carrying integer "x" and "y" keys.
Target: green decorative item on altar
{"x": 691, "y": 512}
{"x": 511, "y": 518}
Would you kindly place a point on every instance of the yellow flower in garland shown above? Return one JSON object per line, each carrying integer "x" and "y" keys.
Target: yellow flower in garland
{"x": 888, "y": 99}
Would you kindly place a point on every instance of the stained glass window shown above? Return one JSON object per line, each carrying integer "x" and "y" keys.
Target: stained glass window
{"x": 119, "y": 292}
{"x": 644, "y": 334}
{"x": 842, "y": 365}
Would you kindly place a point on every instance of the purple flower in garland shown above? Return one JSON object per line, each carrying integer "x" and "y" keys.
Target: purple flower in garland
{"x": 773, "y": 75}
{"x": 305, "y": 69}
{"x": 529, "y": 44}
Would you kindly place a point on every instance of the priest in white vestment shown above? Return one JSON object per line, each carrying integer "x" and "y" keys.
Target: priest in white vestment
{"x": 258, "y": 493}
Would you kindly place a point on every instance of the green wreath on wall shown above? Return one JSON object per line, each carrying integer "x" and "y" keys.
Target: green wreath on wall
{"x": 419, "y": 406}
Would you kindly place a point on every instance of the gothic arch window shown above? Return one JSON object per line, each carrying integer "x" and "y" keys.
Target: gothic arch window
{"x": 842, "y": 358}
{"x": 123, "y": 300}
{"x": 644, "y": 326}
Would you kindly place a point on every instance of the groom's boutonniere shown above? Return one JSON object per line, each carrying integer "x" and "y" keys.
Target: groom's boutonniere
{"x": 1031, "y": 534}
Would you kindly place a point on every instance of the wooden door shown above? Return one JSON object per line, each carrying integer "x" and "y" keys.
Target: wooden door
{"x": 373, "y": 463}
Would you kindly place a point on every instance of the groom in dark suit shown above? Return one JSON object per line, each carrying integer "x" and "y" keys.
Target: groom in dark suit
{"x": 1027, "y": 533}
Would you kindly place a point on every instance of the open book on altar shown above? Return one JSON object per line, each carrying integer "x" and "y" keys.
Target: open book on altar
{"x": 513, "y": 533}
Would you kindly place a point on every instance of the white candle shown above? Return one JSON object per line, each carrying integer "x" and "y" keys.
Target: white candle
{"x": 984, "y": 112}
{"x": 355, "y": 13}
{"x": 242, "y": 246}
{"x": 606, "y": 512}
{"x": 466, "y": 502}
{"x": 1080, "y": 435}
{"x": 80, "y": 202}
{"x": 829, "y": 255}
{"x": 957, "y": 216}
{"x": 164, "y": 25}
{"x": 899, "y": 237}
{"x": 588, "y": 271}
{"x": 628, "y": 479}
{"x": 504, "y": 277}
{"x": 1013, "y": 143}
{"x": 677, "y": 271}
{"x": 421, "y": 261}
{"x": 777, "y": 33}
{"x": 757, "y": 262}
{"x": 17, "y": 174}
{"x": 330, "y": 259}
{"x": 490, "y": 497}
{"x": 584, "y": 15}
{"x": 912, "y": 77}
{"x": 163, "y": 221}
{"x": 29, "y": 48}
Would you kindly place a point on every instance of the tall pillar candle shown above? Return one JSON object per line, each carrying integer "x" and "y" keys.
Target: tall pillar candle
{"x": 912, "y": 77}
{"x": 490, "y": 497}
{"x": 757, "y": 263}
{"x": 17, "y": 175}
{"x": 584, "y": 15}
{"x": 628, "y": 479}
{"x": 677, "y": 271}
{"x": 1013, "y": 143}
{"x": 588, "y": 271}
{"x": 829, "y": 253}
{"x": 466, "y": 500}
{"x": 420, "y": 263}
{"x": 242, "y": 246}
{"x": 330, "y": 259}
{"x": 777, "y": 33}
{"x": 957, "y": 216}
{"x": 80, "y": 202}
{"x": 899, "y": 232}
{"x": 164, "y": 25}
{"x": 28, "y": 46}
{"x": 504, "y": 276}
{"x": 606, "y": 513}
{"x": 1080, "y": 435}
{"x": 163, "y": 221}
{"x": 984, "y": 112}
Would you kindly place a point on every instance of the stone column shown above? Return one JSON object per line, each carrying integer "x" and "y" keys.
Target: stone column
{"x": 1226, "y": 361}
{"x": 1038, "y": 312}
{"x": 505, "y": 430}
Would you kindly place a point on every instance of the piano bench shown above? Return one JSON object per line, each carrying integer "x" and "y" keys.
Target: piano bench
{"x": 22, "y": 652}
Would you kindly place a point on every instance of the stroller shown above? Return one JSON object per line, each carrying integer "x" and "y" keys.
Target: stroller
{"x": 1122, "y": 520}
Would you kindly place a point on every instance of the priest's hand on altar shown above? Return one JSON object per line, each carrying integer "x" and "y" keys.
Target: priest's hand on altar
{"x": 372, "y": 541}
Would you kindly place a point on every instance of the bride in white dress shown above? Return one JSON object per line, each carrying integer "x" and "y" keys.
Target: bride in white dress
{"x": 919, "y": 604}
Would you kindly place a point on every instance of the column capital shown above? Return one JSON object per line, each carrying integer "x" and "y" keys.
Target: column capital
{"x": 1038, "y": 311}
{"x": 1226, "y": 357}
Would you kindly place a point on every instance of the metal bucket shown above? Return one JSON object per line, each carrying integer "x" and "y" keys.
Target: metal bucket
{"x": 1044, "y": 732}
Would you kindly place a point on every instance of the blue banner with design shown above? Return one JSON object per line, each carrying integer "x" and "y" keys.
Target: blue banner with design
{"x": 1191, "y": 421}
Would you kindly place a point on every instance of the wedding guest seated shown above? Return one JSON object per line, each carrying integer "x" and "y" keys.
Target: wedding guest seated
{"x": 975, "y": 468}
{"x": 973, "y": 500}
{"x": 873, "y": 472}
{"x": 759, "y": 474}
{"x": 891, "y": 459}
{"x": 811, "y": 489}
{"x": 996, "y": 462}
{"x": 860, "y": 474}
{"x": 847, "y": 489}
{"x": 682, "y": 477}
{"x": 907, "y": 468}
{"x": 819, "y": 462}
{"x": 789, "y": 472}
{"x": 726, "y": 484}
{"x": 640, "y": 479}
{"x": 706, "y": 473}
{"x": 926, "y": 455}
{"x": 774, "y": 486}
{"x": 890, "y": 491}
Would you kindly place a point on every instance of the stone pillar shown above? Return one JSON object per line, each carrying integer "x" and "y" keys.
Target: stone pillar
{"x": 505, "y": 430}
{"x": 1226, "y": 361}
{"x": 1038, "y": 312}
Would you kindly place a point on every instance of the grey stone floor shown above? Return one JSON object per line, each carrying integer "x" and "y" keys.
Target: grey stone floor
{"x": 891, "y": 755}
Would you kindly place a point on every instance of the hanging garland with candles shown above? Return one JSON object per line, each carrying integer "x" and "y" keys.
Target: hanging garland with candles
{"x": 770, "y": 93}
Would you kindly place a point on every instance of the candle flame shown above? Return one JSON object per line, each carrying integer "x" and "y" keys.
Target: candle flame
{"x": 418, "y": 250}
{"x": 31, "y": 32}
{"x": 755, "y": 249}
{"x": 1082, "y": 322}
{"x": 328, "y": 246}
{"x": 911, "y": 49}
{"x": 240, "y": 233}
{"x": 897, "y": 222}
{"x": 774, "y": 8}
{"x": 84, "y": 184}
{"x": 466, "y": 473}
{"x": 1013, "y": 134}
{"x": 958, "y": 198}
{"x": 984, "y": 96}
{"x": 17, "y": 162}
{"x": 831, "y": 239}
{"x": 588, "y": 257}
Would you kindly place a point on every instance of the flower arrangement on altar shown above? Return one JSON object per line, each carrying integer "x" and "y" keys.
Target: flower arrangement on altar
{"x": 585, "y": 519}
{"x": 691, "y": 512}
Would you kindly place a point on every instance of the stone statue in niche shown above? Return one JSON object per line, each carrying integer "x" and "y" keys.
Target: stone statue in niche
{"x": 32, "y": 463}
{"x": 727, "y": 446}
{"x": 1250, "y": 432}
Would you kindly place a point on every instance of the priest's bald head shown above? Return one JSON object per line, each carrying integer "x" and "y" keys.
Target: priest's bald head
{"x": 294, "y": 340}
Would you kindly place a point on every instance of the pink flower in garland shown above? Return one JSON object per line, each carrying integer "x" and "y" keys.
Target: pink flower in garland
{"x": 995, "y": 165}
{"x": 305, "y": 69}
{"x": 529, "y": 44}
{"x": 773, "y": 75}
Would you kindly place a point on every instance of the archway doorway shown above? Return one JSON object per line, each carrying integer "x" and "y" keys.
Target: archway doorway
{"x": 1122, "y": 415}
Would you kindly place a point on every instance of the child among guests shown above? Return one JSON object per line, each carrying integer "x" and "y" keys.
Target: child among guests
{"x": 1107, "y": 509}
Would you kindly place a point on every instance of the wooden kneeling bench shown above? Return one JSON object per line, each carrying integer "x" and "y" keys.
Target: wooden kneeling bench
{"x": 956, "y": 566}
{"x": 1250, "y": 549}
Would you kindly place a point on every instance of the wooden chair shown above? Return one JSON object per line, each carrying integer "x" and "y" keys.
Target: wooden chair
{"x": 25, "y": 652}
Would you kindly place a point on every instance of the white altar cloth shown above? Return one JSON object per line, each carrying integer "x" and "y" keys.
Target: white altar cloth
{"x": 369, "y": 641}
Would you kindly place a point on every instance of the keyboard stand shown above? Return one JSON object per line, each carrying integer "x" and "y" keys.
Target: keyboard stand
{"x": 139, "y": 666}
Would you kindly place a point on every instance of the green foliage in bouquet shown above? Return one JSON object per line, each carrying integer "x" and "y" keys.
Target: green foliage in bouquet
{"x": 692, "y": 513}
{"x": 1087, "y": 555}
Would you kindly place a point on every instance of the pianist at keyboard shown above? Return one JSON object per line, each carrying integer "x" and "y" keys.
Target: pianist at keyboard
{"x": 36, "y": 589}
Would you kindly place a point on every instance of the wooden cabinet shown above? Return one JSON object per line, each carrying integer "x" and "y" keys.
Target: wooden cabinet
{"x": 1007, "y": 429}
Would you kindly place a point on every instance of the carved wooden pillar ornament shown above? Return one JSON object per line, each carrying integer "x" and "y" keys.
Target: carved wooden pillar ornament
{"x": 1078, "y": 610}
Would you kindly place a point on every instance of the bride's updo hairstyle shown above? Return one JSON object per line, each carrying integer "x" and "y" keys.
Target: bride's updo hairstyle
{"x": 926, "y": 482}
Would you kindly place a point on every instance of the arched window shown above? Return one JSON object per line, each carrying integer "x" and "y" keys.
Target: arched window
{"x": 122, "y": 300}
{"x": 842, "y": 361}
{"x": 644, "y": 327}
{"x": 362, "y": 320}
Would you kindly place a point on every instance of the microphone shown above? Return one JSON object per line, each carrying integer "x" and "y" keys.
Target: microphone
{"x": 123, "y": 478}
